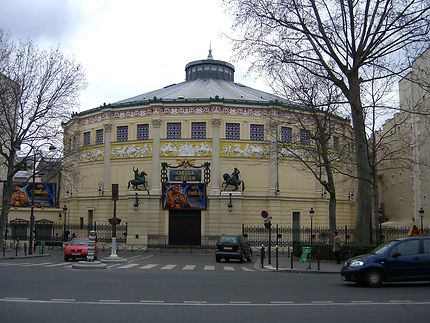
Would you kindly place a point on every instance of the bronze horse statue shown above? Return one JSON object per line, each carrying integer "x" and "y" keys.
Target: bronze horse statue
{"x": 233, "y": 180}
{"x": 139, "y": 179}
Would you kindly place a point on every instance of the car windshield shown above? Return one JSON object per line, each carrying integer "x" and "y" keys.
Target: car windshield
{"x": 79, "y": 242}
{"x": 229, "y": 239}
{"x": 382, "y": 248}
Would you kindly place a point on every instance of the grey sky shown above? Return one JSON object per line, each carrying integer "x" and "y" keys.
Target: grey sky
{"x": 126, "y": 47}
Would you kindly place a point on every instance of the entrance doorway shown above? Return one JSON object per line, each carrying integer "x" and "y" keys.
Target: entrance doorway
{"x": 185, "y": 227}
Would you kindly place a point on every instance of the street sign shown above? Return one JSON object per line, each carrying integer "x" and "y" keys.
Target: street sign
{"x": 264, "y": 214}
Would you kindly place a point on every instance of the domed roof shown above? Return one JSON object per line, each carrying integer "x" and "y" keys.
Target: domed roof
{"x": 205, "y": 79}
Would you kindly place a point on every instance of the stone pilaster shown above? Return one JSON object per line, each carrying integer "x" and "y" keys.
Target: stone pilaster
{"x": 156, "y": 166}
{"x": 215, "y": 164}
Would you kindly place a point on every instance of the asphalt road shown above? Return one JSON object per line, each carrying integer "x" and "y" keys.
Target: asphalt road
{"x": 183, "y": 287}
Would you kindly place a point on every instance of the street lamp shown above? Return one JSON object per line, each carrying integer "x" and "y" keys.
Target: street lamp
{"x": 230, "y": 204}
{"x": 421, "y": 212}
{"x": 32, "y": 219}
{"x": 311, "y": 215}
{"x": 101, "y": 188}
{"x": 64, "y": 224}
{"x": 380, "y": 213}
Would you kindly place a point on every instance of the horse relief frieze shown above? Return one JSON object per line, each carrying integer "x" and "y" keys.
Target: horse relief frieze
{"x": 185, "y": 149}
{"x": 244, "y": 150}
{"x": 131, "y": 151}
{"x": 92, "y": 154}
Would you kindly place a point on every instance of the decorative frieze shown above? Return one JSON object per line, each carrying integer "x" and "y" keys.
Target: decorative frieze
{"x": 186, "y": 149}
{"x": 244, "y": 150}
{"x": 92, "y": 154}
{"x": 138, "y": 150}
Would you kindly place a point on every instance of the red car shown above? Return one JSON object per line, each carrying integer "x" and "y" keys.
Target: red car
{"x": 78, "y": 248}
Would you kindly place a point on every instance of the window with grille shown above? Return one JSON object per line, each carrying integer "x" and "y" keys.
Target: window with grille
{"x": 122, "y": 133}
{"x": 87, "y": 138}
{"x": 143, "y": 131}
{"x": 305, "y": 137}
{"x": 174, "y": 130}
{"x": 232, "y": 130}
{"x": 198, "y": 130}
{"x": 287, "y": 135}
{"x": 99, "y": 136}
{"x": 256, "y": 132}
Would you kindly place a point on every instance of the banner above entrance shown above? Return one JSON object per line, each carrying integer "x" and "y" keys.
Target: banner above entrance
{"x": 184, "y": 196}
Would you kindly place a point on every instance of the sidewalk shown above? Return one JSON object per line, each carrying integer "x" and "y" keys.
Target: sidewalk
{"x": 285, "y": 265}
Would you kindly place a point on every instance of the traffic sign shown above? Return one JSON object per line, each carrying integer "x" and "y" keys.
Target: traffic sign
{"x": 264, "y": 214}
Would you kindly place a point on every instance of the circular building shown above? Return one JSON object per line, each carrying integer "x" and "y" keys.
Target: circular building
{"x": 194, "y": 160}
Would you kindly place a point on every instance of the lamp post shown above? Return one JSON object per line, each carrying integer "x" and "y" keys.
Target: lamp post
{"x": 311, "y": 215}
{"x": 64, "y": 224}
{"x": 380, "y": 213}
{"x": 421, "y": 212}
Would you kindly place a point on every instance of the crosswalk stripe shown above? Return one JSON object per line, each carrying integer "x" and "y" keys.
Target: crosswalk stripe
{"x": 209, "y": 268}
{"x": 247, "y": 269}
{"x": 149, "y": 266}
{"x": 38, "y": 264}
{"x": 129, "y": 266}
{"x": 189, "y": 267}
{"x": 228, "y": 268}
{"x": 168, "y": 267}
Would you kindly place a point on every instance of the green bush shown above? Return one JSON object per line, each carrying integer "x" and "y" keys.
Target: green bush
{"x": 324, "y": 251}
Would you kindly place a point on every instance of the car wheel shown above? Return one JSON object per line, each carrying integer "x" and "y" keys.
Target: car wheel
{"x": 66, "y": 259}
{"x": 218, "y": 259}
{"x": 373, "y": 278}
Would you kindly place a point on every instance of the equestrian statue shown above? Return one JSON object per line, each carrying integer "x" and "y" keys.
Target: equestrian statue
{"x": 233, "y": 180}
{"x": 139, "y": 179}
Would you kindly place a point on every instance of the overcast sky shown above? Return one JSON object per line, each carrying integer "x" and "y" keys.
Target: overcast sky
{"x": 127, "y": 47}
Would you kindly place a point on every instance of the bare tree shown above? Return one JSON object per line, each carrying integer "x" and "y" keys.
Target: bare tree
{"x": 318, "y": 116}
{"x": 38, "y": 89}
{"x": 339, "y": 41}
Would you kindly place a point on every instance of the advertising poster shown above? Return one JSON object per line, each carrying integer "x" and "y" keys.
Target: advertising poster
{"x": 43, "y": 195}
{"x": 184, "y": 196}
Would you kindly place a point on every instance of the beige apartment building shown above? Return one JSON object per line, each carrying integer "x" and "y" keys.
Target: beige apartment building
{"x": 405, "y": 177}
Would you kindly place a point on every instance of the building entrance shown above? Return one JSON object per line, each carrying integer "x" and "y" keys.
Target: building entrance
{"x": 185, "y": 227}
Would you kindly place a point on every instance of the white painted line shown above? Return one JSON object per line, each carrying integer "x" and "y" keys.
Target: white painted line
{"x": 63, "y": 300}
{"x": 239, "y": 302}
{"x": 209, "y": 268}
{"x": 189, "y": 267}
{"x": 152, "y": 302}
{"x": 401, "y": 301}
{"x": 168, "y": 267}
{"x": 58, "y": 265}
{"x": 129, "y": 266}
{"x": 15, "y": 298}
{"x": 39, "y": 264}
{"x": 228, "y": 268}
{"x": 247, "y": 269}
{"x": 114, "y": 265}
{"x": 322, "y": 302}
{"x": 282, "y": 302}
{"x": 359, "y": 302}
{"x": 149, "y": 266}
{"x": 109, "y": 300}
{"x": 195, "y": 302}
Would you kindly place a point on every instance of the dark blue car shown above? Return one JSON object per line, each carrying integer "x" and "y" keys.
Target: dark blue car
{"x": 406, "y": 259}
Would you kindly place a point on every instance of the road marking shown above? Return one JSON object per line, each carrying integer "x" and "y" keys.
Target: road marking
{"x": 189, "y": 267}
{"x": 37, "y": 264}
{"x": 152, "y": 302}
{"x": 401, "y": 301}
{"x": 149, "y": 266}
{"x": 114, "y": 265}
{"x": 58, "y": 265}
{"x": 109, "y": 300}
{"x": 282, "y": 302}
{"x": 195, "y": 302}
{"x": 168, "y": 267}
{"x": 240, "y": 302}
{"x": 228, "y": 268}
{"x": 129, "y": 266}
{"x": 358, "y": 302}
{"x": 209, "y": 268}
{"x": 68, "y": 300}
{"x": 247, "y": 269}
{"x": 16, "y": 298}
{"x": 322, "y": 302}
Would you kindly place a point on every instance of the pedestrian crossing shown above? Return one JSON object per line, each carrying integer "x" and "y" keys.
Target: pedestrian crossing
{"x": 139, "y": 266}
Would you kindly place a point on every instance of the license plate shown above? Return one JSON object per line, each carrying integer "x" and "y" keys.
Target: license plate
{"x": 76, "y": 253}
{"x": 228, "y": 248}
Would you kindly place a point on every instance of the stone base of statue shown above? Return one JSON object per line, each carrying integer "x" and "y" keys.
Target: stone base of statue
{"x": 114, "y": 258}
{"x": 89, "y": 265}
